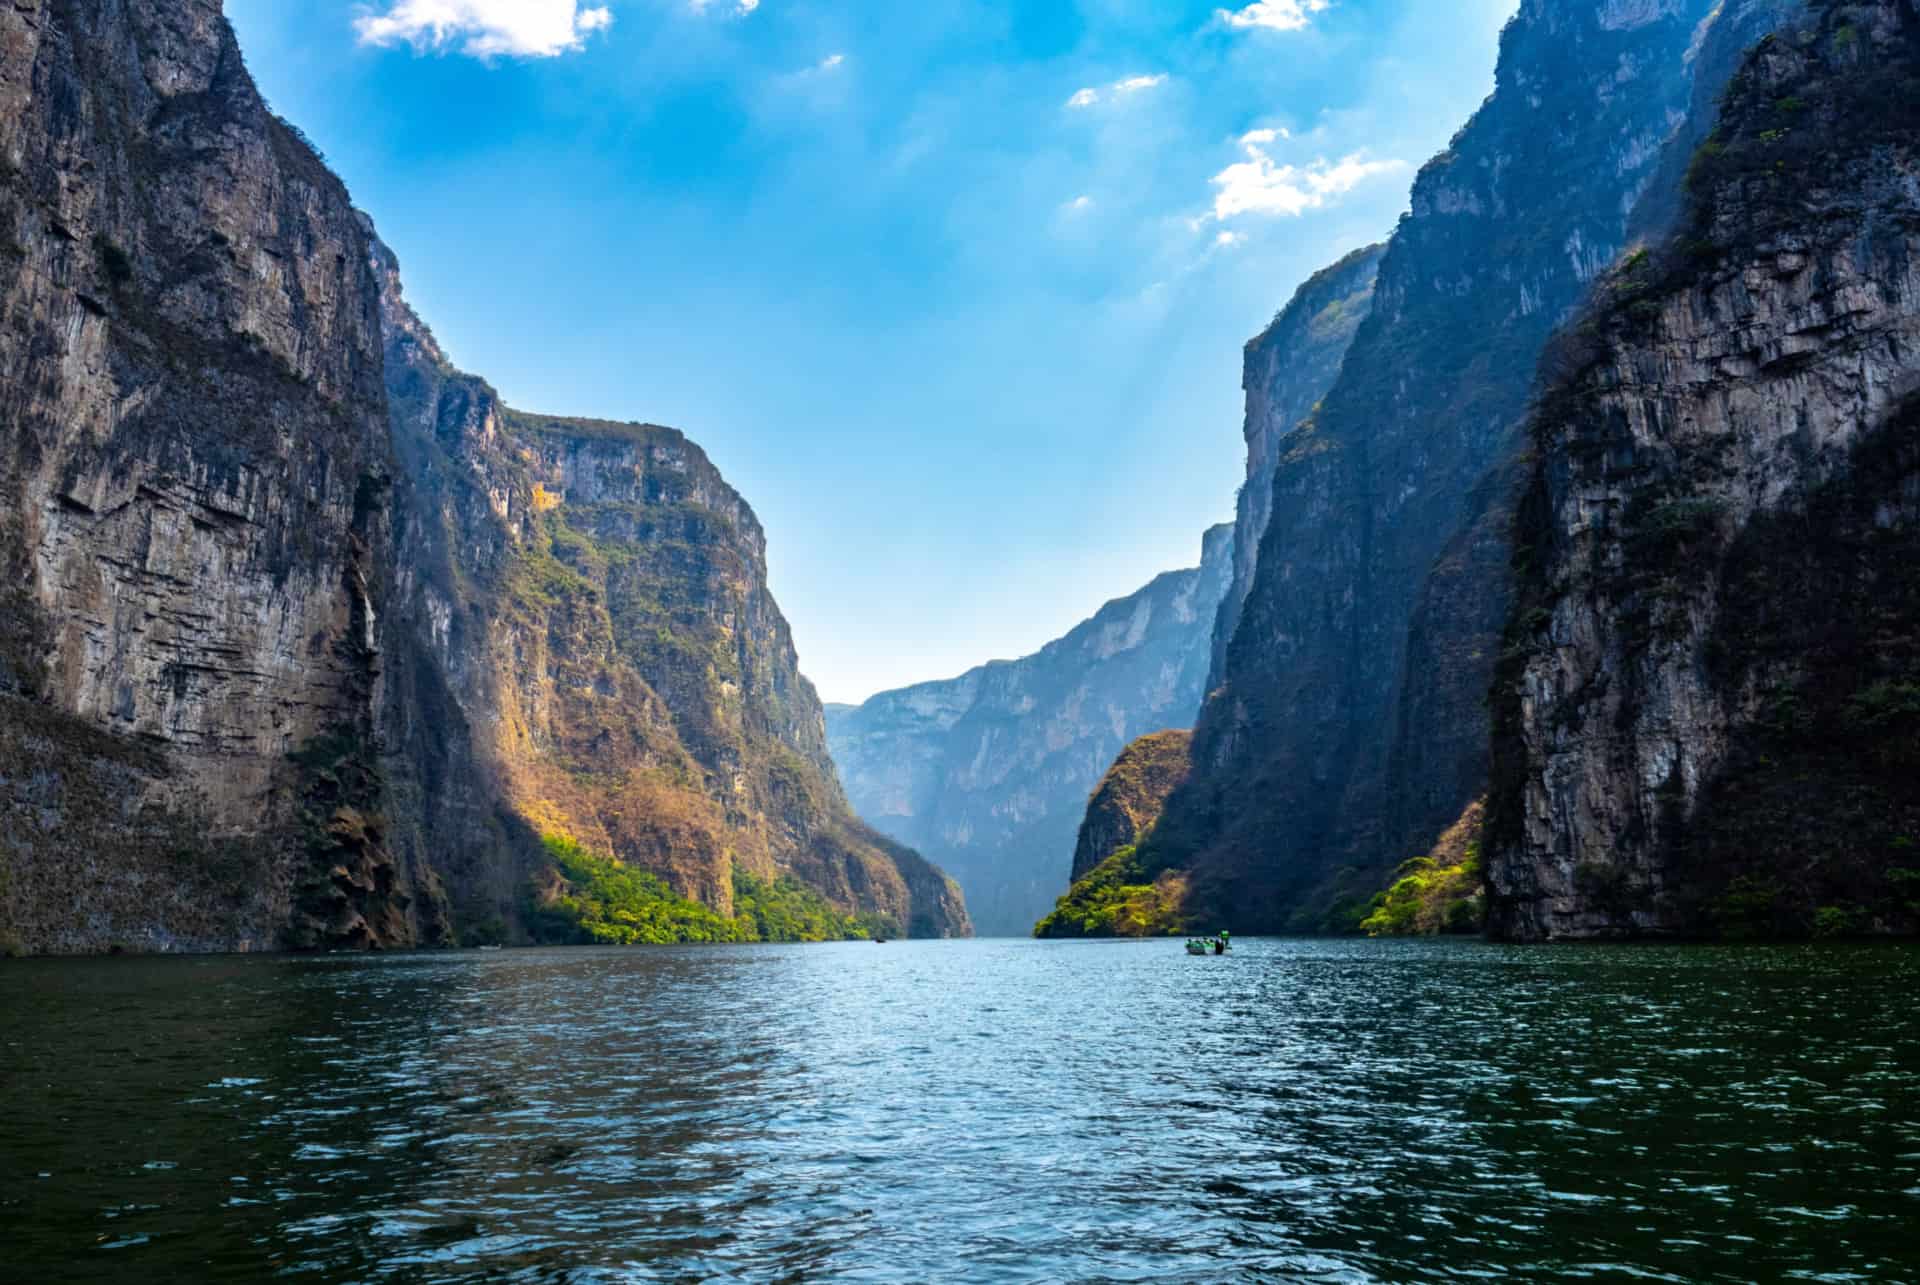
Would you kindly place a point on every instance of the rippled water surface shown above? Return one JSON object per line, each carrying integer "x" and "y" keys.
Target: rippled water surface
{"x": 982, "y": 1111}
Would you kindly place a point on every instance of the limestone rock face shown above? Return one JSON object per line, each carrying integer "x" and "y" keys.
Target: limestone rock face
{"x": 1708, "y": 719}
{"x": 1128, "y": 802}
{"x": 193, "y": 460}
{"x": 989, "y": 773}
{"x": 1289, "y": 367}
{"x": 305, "y": 640}
{"x": 1348, "y": 728}
{"x": 590, "y": 603}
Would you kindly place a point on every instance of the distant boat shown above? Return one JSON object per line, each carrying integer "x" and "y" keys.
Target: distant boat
{"x": 879, "y": 941}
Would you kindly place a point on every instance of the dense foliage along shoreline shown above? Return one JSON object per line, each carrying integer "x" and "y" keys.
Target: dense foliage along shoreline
{"x": 598, "y": 900}
{"x": 1444, "y": 892}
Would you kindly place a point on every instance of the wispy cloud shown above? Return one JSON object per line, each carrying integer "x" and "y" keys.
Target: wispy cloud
{"x": 1228, "y": 240}
{"x": 738, "y": 8}
{"x": 1090, "y": 96}
{"x": 1275, "y": 15}
{"x": 1078, "y": 205}
{"x": 1259, "y": 185}
{"x": 486, "y": 28}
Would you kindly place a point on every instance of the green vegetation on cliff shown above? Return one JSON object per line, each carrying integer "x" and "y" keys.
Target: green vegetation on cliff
{"x": 788, "y": 910}
{"x": 589, "y": 899}
{"x": 1120, "y": 897}
{"x": 598, "y": 900}
{"x": 1119, "y": 890}
{"x": 1442, "y": 892}
{"x": 1130, "y": 798}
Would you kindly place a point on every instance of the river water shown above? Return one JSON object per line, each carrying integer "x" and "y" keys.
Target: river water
{"x": 992, "y": 1111}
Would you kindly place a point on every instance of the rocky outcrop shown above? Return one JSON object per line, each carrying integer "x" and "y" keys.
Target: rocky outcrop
{"x": 193, "y": 459}
{"x": 989, "y": 773}
{"x": 1288, "y": 368}
{"x": 1128, "y": 802}
{"x": 591, "y": 601}
{"x": 1708, "y": 715}
{"x": 287, "y": 662}
{"x": 1116, "y": 890}
{"x": 1442, "y": 892}
{"x": 1348, "y": 730}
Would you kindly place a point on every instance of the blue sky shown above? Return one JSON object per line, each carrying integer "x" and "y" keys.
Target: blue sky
{"x": 953, "y": 291}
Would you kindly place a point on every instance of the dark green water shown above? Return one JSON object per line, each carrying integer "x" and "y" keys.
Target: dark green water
{"x": 994, "y": 1111}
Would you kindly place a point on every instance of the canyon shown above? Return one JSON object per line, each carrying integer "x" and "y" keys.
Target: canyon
{"x": 989, "y": 772}
{"x": 308, "y": 640}
{"x": 1446, "y": 594}
{"x": 1574, "y": 552}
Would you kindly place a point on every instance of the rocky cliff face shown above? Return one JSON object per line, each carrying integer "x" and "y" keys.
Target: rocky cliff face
{"x": 989, "y": 773}
{"x": 1130, "y": 798}
{"x": 1115, "y": 892}
{"x": 1708, "y": 719}
{"x": 194, "y": 466}
{"x": 276, "y": 670}
{"x": 1349, "y": 729}
{"x": 592, "y": 601}
{"x": 1289, "y": 367}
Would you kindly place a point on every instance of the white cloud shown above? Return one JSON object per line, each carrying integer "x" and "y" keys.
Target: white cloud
{"x": 1259, "y": 186}
{"x": 1228, "y": 240}
{"x": 1255, "y": 137}
{"x": 1078, "y": 205}
{"x": 814, "y": 74}
{"x": 486, "y": 28}
{"x": 1274, "y": 15}
{"x": 739, "y": 8}
{"x": 1119, "y": 89}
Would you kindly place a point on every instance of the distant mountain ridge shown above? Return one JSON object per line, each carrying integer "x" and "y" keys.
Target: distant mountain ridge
{"x": 989, "y": 773}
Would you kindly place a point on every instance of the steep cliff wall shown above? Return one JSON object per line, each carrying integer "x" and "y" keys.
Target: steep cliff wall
{"x": 1349, "y": 731}
{"x": 193, "y": 460}
{"x": 1288, "y": 368}
{"x": 988, "y": 773}
{"x": 278, "y": 670}
{"x": 1708, "y": 719}
{"x": 592, "y": 603}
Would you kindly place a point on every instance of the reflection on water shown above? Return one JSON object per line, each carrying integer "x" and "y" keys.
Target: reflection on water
{"x": 995, "y": 1111}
